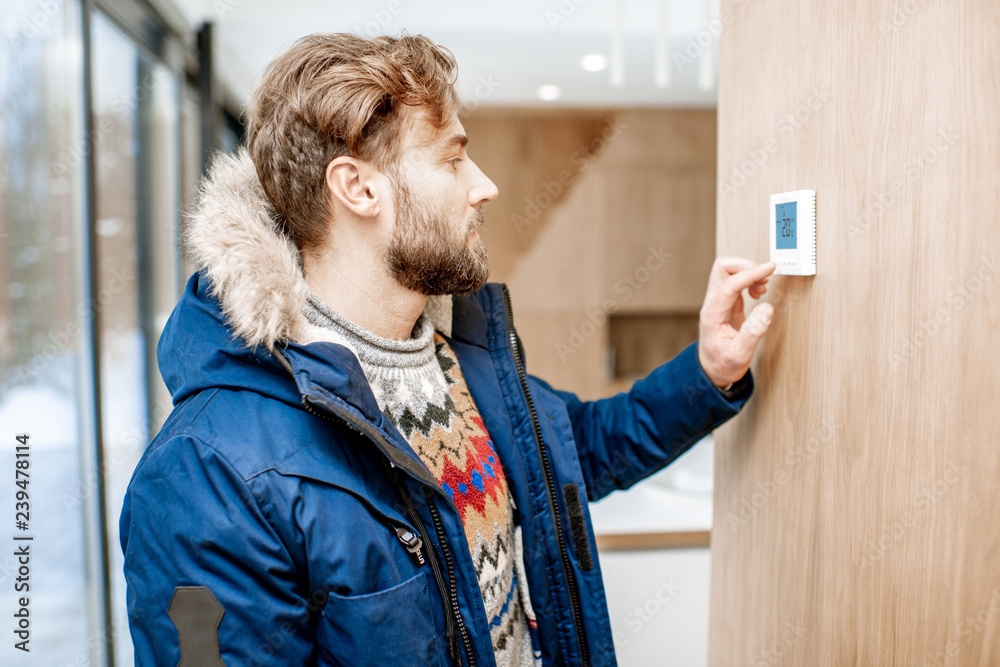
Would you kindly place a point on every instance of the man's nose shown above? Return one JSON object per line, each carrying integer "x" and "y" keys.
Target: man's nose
{"x": 484, "y": 190}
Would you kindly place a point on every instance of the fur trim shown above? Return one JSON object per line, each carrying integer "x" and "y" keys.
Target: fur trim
{"x": 255, "y": 270}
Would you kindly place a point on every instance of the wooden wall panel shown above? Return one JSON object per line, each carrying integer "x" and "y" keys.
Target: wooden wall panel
{"x": 856, "y": 495}
{"x": 639, "y": 203}
{"x": 535, "y": 157}
{"x": 661, "y": 210}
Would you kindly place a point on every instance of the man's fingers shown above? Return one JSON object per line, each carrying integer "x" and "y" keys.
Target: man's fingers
{"x": 758, "y": 290}
{"x": 726, "y": 266}
{"x": 752, "y": 331}
{"x": 730, "y": 276}
{"x": 738, "y": 282}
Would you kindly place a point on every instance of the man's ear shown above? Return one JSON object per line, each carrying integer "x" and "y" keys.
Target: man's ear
{"x": 352, "y": 182}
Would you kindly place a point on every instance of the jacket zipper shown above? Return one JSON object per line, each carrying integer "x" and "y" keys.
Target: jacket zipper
{"x": 571, "y": 587}
{"x": 452, "y": 597}
{"x": 454, "y": 623}
{"x": 406, "y": 535}
{"x": 453, "y": 588}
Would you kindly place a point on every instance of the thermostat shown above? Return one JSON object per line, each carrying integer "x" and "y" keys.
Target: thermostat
{"x": 793, "y": 233}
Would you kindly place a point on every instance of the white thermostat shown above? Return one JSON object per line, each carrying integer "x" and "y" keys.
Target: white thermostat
{"x": 793, "y": 233}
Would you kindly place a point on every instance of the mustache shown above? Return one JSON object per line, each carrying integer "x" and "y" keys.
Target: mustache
{"x": 477, "y": 220}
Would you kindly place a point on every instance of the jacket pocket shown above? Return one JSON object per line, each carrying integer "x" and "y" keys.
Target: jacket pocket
{"x": 385, "y": 628}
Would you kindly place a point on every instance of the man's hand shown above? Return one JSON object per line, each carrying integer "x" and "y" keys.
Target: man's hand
{"x": 726, "y": 342}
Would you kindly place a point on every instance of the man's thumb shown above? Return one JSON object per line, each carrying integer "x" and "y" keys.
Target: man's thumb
{"x": 754, "y": 328}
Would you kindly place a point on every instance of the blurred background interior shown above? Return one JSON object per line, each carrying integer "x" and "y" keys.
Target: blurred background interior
{"x": 595, "y": 118}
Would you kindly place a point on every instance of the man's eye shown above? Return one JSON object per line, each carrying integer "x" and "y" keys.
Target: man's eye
{"x": 454, "y": 161}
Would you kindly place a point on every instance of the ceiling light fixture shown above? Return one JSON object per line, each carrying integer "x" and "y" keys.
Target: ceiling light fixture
{"x": 594, "y": 62}
{"x": 549, "y": 92}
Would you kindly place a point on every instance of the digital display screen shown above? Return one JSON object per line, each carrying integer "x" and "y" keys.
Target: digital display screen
{"x": 785, "y": 220}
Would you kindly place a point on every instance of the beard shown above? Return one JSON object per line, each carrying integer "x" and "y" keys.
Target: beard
{"x": 428, "y": 255}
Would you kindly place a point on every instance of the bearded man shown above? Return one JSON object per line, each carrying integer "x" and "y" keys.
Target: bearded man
{"x": 358, "y": 469}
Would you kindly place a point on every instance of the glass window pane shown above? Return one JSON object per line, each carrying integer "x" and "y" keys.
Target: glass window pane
{"x": 137, "y": 107}
{"x": 42, "y": 322}
{"x": 190, "y": 160}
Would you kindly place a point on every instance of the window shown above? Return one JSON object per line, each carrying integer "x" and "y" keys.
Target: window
{"x": 44, "y": 316}
{"x": 90, "y": 269}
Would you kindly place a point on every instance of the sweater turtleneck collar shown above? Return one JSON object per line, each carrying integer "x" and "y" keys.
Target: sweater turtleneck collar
{"x": 371, "y": 348}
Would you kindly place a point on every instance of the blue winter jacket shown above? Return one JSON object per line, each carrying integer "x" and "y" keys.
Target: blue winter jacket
{"x": 279, "y": 518}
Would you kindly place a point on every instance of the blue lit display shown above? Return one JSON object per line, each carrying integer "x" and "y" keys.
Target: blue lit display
{"x": 785, "y": 233}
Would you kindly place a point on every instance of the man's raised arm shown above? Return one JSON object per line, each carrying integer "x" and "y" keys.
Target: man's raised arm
{"x": 625, "y": 438}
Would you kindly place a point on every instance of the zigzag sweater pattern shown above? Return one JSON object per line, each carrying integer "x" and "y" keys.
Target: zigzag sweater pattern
{"x": 419, "y": 386}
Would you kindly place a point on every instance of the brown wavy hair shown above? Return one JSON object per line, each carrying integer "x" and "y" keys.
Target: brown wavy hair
{"x": 339, "y": 94}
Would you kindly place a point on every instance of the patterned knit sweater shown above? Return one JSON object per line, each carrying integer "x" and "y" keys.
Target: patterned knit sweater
{"x": 419, "y": 386}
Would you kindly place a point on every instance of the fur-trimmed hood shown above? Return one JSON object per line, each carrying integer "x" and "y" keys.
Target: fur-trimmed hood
{"x": 255, "y": 271}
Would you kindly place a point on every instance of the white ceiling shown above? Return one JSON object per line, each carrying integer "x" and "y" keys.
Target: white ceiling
{"x": 505, "y": 50}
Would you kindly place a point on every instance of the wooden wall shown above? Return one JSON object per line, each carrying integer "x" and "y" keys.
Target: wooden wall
{"x": 856, "y": 496}
{"x": 600, "y": 213}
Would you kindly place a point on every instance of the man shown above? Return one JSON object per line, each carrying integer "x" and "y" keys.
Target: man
{"x": 358, "y": 469}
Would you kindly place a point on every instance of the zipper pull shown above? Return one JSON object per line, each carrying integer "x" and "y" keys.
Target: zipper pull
{"x": 413, "y": 544}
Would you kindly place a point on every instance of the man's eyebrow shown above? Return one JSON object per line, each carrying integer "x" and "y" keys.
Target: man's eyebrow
{"x": 458, "y": 139}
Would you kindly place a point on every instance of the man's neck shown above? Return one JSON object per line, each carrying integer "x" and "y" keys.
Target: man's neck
{"x": 360, "y": 290}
